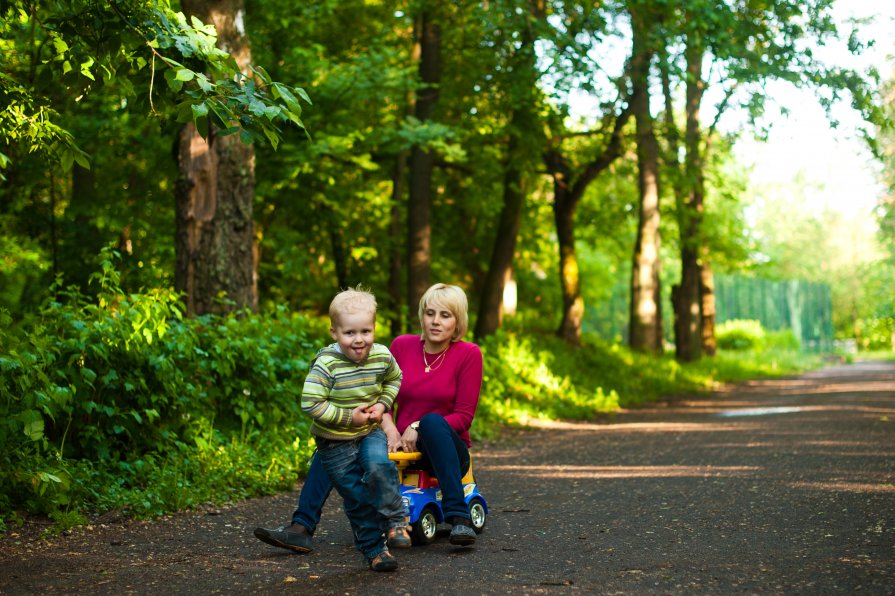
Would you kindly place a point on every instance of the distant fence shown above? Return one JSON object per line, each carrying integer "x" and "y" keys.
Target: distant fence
{"x": 805, "y": 307}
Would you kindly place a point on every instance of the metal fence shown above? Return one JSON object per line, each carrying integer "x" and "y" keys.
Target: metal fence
{"x": 804, "y": 307}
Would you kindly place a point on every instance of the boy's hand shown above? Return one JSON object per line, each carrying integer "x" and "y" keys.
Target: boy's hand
{"x": 376, "y": 411}
{"x": 360, "y": 416}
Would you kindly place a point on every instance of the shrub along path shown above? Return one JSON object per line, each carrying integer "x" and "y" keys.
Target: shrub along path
{"x": 783, "y": 486}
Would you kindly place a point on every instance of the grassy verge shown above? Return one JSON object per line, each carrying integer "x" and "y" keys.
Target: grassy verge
{"x": 132, "y": 409}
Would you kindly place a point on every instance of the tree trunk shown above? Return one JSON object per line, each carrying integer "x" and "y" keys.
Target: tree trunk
{"x": 688, "y": 304}
{"x": 572, "y": 302}
{"x": 707, "y": 291}
{"x": 491, "y": 302}
{"x": 421, "y": 166}
{"x": 566, "y": 196}
{"x": 215, "y": 231}
{"x": 645, "y": 331}
{"x": 396, "y": 264}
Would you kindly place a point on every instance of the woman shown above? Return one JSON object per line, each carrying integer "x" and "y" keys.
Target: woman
{"x": 438, "y": 398}
{"x": 434, "y": 411}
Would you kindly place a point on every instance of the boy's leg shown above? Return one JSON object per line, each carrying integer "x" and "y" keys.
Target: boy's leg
{"x": 341, "y": 461}
{"x": 297, "y": 537}
{"x": 312, "y": 497}
{"x": 381, "y": 478}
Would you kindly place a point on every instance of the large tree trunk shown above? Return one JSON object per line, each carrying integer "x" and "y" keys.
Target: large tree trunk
{"x": 422, "y": 165}
{"x": 645, "y": 331}
{"x": 707, "y": 292}
{"x": 566, "y": 196}
{"x": 570, "y": 281}
{"x": 215, "y": 232}
{"x": 688, "y": 300}
{"x": 522, "y": 121}
{"x": 491, "y": 302}
{"x": 396, "y": 264}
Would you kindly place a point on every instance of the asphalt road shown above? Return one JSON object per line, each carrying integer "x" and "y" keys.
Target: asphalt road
{"x": 771, "y": 487}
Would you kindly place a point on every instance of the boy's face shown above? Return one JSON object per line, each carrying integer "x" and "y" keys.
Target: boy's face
{"x": 354, "y": 334}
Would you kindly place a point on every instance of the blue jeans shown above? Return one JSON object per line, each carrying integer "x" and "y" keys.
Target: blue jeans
{"x": 447, "y": 456}
{"x": 313, "y": 495}
{"x": 362, "y": 474}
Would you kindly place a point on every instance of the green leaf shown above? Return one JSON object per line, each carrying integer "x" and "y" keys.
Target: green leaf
{"x": 33, "y": 424}
{"x": 173, "y": 83}
{"x": 303, "y": 94}
{"x": 88, "y": 374}
{"x": 185, "y": 74}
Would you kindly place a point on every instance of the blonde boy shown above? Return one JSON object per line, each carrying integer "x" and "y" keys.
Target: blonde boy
{"x": 352, "y": 383}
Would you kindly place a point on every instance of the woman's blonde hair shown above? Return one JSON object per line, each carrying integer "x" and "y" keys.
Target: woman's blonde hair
{"x": 452, "y": 298}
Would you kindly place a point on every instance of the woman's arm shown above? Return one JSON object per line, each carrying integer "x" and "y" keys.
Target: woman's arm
{"x": 469, "y": 387}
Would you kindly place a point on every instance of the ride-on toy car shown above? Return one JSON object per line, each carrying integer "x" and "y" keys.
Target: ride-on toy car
{"x": 422, "y": 496}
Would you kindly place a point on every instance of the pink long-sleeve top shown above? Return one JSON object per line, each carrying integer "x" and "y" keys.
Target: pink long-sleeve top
{"x": 451, "y": 388}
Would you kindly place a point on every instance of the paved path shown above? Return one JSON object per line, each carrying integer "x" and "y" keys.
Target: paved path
{"x": 772, "y": 487}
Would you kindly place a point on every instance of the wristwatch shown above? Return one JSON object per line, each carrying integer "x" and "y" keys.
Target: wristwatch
{"x": 415, "y": 425}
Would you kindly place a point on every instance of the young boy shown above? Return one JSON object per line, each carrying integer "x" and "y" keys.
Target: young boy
{"x": 351, "y": 384}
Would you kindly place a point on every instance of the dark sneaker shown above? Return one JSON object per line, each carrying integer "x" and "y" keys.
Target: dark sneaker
{"x": 398, "y": 537}
{"x": 462, "y": 533}
{"x": 294, "y": 537}
{"x": 384, "y": 561}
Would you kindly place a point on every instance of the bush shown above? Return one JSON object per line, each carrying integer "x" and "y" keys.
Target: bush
{"x": 740, "y": 334}
{"x": 121, "y": 403}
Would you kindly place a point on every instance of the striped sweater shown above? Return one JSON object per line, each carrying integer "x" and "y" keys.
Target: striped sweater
{"x": 336, "y": 385}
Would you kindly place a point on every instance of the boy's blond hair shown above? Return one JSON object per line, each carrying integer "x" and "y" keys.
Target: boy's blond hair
{"x": 357, "y": 299}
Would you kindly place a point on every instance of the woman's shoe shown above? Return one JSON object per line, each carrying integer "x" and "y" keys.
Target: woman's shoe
{"x": 384, "y": 561}
{"x": 462, "y": 533}
{"x": 398, "y": 537}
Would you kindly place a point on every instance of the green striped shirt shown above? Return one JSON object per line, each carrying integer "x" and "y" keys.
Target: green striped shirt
{"x": 336, "y": 386}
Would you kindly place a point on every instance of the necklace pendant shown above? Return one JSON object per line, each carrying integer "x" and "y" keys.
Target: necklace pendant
{"x": 428, "y": 368}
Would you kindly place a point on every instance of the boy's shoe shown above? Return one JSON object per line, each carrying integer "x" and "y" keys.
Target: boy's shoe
{"x": 294, "y": 537}
{"x": 462, "y": 533}
{"x": 398, "y": 537}
{"x": 384, "y": 561}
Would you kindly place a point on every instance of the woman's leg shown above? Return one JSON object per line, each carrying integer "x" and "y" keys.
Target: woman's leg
{"x": 448, "y": 457}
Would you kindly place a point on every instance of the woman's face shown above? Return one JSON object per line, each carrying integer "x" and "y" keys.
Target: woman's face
{"x": 439, "y": 323}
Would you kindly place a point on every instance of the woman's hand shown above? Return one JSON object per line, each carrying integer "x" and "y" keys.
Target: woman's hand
{"x": 408, "y": 440}
{"x": 391, "y": 433}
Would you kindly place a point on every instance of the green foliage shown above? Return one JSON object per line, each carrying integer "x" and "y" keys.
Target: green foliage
{"x": 119, "y": 404}
{"x": 740, "y": 334}
{"x": 85, "y": 45}
{"x": 123, "y": 391}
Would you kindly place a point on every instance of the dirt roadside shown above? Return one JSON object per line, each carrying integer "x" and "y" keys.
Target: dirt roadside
{"x": 770, "y": 487}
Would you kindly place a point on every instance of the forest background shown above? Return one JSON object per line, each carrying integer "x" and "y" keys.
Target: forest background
{"x": 181, "y": 196}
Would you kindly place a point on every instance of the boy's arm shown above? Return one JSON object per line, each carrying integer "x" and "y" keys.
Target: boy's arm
{"x": 315, "y": 398}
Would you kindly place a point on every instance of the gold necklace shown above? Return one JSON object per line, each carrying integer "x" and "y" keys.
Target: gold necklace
{"x": 440, "y": 356}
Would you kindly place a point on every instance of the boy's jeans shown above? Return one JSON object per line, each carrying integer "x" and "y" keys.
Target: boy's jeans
{"x": 368, "y": 483}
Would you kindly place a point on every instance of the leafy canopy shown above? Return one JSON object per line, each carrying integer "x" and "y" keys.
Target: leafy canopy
{"x": 52, "y": 51}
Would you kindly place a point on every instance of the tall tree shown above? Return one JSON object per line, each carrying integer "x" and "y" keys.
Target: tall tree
{"x": 520, "y": 151}
{"x": 215, "y": 236}
{"x": 419, "y": 205}
{"x": 569, "y": 187}
{"x": 645, "y": 323}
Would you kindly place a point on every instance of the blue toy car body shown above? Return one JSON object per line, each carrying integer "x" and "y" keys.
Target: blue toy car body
{"x": 422, "y": 496}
